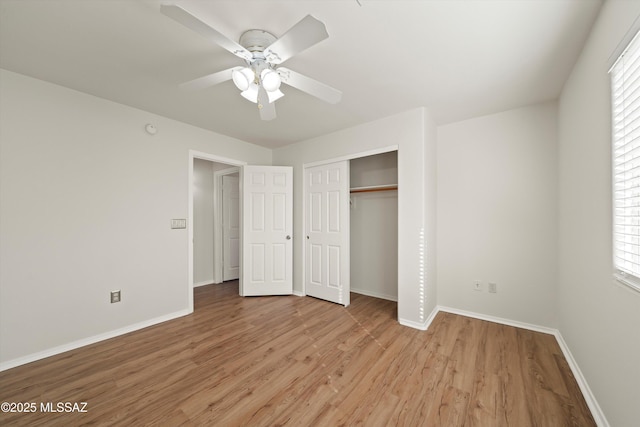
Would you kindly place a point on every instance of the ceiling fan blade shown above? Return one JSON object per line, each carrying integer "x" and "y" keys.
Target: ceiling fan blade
{"x": 310, "y": 86}
{"x": 267, "y": 109}
{"x": 301, "y": 36}
{"x": 188, "y": 20}
{"x": 209, "y": 80}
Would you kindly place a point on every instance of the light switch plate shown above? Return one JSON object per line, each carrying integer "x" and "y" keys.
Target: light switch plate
{"x": 178, "y": 223}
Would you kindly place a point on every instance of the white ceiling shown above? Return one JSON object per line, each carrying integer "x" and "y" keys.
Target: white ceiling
{"x": 458, "y": 58}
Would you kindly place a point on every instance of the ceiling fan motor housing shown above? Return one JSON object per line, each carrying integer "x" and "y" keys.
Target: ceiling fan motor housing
{"x": 256, "y": 41}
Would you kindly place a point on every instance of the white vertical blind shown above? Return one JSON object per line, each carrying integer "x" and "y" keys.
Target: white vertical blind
{"x": 625, "y": 92}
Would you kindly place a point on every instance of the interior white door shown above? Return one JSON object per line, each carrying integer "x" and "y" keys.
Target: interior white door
{"x": 327, "y": 239}
{"x": 230, "y": 227}
{"x": 267, "y": 230}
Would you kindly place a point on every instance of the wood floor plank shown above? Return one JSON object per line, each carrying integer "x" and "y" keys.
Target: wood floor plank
{"x": 484, "y": 401}
{"x": 272, "y": 361}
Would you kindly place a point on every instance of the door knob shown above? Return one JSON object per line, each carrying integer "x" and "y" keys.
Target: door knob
{"x": 288, "y": 237}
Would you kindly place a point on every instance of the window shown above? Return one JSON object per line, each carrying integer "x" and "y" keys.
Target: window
{"x": 625, "y": 93}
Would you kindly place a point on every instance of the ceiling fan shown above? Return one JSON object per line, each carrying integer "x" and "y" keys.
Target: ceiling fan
{"x": 260, "y": 79}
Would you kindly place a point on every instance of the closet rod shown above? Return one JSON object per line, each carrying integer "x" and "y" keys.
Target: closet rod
{"x": 372, "y": 189}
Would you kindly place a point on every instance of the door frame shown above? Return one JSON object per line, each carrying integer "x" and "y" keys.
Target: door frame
{"x": 217, "y": 221}
{"x": 358, "y": 155}
{"x": 194, "y": 154}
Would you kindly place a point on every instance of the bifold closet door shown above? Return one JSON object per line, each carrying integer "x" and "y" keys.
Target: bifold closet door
{"x": 327, "y": 232}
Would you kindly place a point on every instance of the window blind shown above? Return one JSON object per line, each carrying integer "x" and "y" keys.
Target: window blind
{"x": 625, "y": 90}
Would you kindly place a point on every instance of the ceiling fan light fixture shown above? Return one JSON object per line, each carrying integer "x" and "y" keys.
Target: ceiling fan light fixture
{"x": 243, "y": 78}
{"x": 270, "y": 80}
{"x": 259, "y": 79}
{"x": 274, "y": 95}
{"x": 251, "y": 93}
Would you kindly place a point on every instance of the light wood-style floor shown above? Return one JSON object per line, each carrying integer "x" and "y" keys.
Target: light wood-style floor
{"x": 270, "y": 361}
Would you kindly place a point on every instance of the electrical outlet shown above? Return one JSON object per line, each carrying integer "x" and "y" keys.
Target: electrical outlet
{"x": 493, "y": 288}
{"x": 115, "y": 296}
{"x": 477, "y": 286}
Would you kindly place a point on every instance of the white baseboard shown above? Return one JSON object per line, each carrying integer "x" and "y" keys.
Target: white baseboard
{"x": 592, "y": 403}
{"x": 431, "y": 316}
{"x": 417, "y": 325}
{"x": 90, "y": 340}
{"x": 374, "y": 294}
{"x": 299, "y": 293}
{"x": 503, "y": 321}
{"x": 414, "y": 325}
{"x": 203, "y": 283}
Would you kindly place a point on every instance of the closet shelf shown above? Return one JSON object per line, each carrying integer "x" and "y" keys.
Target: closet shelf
{"x": 374, "y": 188}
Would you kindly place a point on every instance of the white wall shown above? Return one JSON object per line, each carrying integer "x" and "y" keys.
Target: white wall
{"x": 374, "y": 227}
{"x": 203, "y": 227}
{"x": 598, "y": 318}
{"x": 428, "y": 248}
{"x": 86, "y": 201}
{"x": 497, "y": 214}
{"x": 414, "y": 133}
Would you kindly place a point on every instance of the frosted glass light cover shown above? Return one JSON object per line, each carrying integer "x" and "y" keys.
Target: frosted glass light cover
{"x": 274, "y": 95}
{"x": 243, "y": 78}
{"x": 270, "y": 80}
{"x": 251, "y": 93}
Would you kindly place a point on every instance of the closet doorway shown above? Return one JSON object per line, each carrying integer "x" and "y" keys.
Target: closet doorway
{"x": 374, "y": 225}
